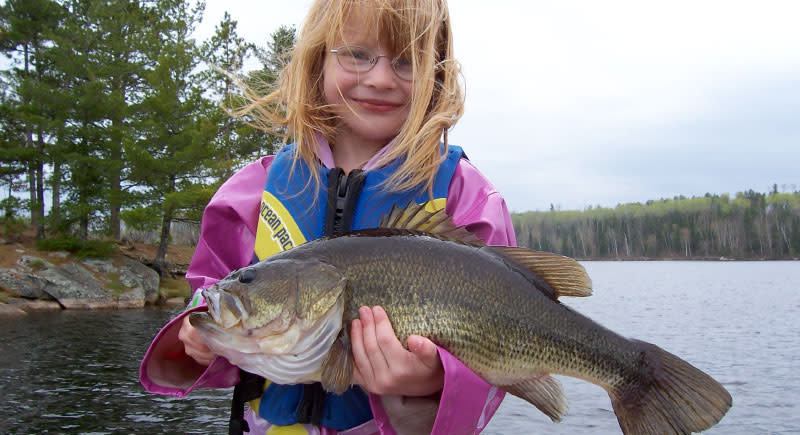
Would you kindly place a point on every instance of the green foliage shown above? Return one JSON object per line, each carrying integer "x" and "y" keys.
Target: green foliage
{"x": 37, "y": 265}
{"x": 752, "y": 225}
{"x": 113, "y": 112}
{"x": 10, "y": 221}
{"x": 174, "y": 288}
{"x": 115, "y": 285}
{"x": 142, "y": 218}
{"x": 79, "y": 247}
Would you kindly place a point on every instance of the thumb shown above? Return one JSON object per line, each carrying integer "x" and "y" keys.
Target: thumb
{"x": 424, "y": 349}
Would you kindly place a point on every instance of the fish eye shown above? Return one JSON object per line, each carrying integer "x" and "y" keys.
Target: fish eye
{"x": 247, "y": 276}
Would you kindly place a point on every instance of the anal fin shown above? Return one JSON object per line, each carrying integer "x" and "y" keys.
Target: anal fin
{"x": 543, "y": 392}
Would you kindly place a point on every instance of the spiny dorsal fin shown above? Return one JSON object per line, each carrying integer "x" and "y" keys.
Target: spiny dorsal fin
{"x": 565, "y": 275}
{"x": 415, "y": 217}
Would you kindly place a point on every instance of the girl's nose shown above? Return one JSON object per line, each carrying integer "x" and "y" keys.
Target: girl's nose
{"x": 381, "y": 75}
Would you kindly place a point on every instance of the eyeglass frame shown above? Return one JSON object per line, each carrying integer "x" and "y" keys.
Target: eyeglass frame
{"x": 373, "y": 60}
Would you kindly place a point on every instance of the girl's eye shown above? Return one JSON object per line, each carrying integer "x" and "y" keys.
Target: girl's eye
{"x": 403, "y": 67}
{"x": 402, "y": 61}
{"x": 359, "y": 54}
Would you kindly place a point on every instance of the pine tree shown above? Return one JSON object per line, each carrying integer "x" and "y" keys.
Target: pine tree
{"x": 25, "y": 37}
{"x": 169, "y": 161}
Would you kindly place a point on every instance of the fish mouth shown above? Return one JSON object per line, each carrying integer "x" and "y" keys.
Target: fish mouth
{"x": 228, "y": 312}
{"x": 233, "y": 313}
{"x": 294, "y": 355}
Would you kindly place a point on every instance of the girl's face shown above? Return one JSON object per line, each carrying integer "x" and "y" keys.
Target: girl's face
{"x": 372, "y": 105}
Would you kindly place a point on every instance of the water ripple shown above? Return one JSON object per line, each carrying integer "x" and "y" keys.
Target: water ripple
{"x": 78, "y": 371}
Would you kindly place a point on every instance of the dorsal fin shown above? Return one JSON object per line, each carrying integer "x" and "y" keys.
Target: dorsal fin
{"x": 415, "y": 217}
{"x": 565, "y": 275}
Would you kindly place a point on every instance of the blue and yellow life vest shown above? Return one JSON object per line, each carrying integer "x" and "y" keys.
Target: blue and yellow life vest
{"x": 294, "y": 210}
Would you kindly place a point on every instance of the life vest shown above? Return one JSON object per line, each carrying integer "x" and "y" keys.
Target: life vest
{"x": 294, "y": 210}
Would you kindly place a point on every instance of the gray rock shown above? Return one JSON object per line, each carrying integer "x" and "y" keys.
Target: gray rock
{"x": 11, "y": 310}
{"x": 75, "y": 287}
{"x": 134, "y": 274}
{"x": 23, "y": 284}
{"x": 133, "y": 298}
{"x": 79, "y": 285}
{"x": 100, "y": 266}
{"x": 28, "y": 305}
{"x": 31, "y": 263}
{"x": 175, "y": 302}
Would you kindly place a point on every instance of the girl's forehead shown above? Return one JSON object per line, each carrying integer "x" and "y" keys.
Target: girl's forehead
{"x": 364, "y": 25}
{"x": 355, "y": 29}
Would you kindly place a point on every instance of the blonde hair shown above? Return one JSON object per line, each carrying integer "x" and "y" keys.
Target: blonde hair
{"x": 296, "y": 109}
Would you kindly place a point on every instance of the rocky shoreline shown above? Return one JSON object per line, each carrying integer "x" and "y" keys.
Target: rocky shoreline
{"x": 33, "y": 281}
{"x": 36, "y": 284}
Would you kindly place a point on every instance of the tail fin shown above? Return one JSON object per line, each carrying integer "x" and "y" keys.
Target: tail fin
{"x": 674, "y": 397}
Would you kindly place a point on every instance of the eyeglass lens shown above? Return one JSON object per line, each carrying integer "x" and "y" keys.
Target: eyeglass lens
{"x": 359, "y": 59}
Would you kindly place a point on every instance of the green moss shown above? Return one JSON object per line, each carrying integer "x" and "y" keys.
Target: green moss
{"x": 37, "y": 265}
{"x": 174, "y": 288}
{"x": 116, "y": 286}
{"x": 79, "y": 247}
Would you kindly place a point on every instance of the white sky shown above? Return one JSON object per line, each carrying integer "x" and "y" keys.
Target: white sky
{"x": 579, "y": 103}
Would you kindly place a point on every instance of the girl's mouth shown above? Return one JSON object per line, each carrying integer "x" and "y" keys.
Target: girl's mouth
{"x": 378, "y": 106}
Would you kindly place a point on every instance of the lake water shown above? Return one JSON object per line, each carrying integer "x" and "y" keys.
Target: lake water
{"x": 738, "y": 321}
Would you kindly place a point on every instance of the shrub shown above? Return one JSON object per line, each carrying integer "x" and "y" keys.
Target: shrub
{"x": 79, "y": 247}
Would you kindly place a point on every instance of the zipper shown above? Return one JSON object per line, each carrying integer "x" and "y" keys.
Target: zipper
{"x": 343, "y": 191}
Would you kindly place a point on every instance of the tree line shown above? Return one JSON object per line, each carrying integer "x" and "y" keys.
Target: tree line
{"x": 112, "y": 114}
{"x": 750, "y": 225}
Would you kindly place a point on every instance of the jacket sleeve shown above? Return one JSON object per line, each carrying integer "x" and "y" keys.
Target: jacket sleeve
{"x": 227, "y": 237}
{"x": 467, "y": 402}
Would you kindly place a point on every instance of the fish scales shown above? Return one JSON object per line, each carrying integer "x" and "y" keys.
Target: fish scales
{"x": 502, "y": 324}
{"x": 494, "y": 308}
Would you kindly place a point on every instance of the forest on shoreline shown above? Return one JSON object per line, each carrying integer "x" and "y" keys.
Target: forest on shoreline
{"x": 749, "y": 226}
{"x": 113, "y": 116}
{"x": 114, "y": 120}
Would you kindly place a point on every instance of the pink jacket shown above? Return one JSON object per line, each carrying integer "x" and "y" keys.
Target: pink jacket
{"x": 226, "y": 244}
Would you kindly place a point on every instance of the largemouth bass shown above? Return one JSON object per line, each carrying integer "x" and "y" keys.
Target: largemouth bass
{"x": 496, "y": 309}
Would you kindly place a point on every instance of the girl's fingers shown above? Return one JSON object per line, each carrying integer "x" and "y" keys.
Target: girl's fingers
{"x": 363, "y": 369}
{"x": 382, "y": 365}
{"x": 424, "y": 350}
{"x": 193, "y": 343}
{"x": 373, "y": 349}
{"x": 390, "y": 346}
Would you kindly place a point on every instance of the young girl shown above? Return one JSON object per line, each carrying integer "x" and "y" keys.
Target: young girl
{"x": 369, "y": 94}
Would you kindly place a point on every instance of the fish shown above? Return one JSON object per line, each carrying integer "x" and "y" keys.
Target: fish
{"x": 495, "y": 308}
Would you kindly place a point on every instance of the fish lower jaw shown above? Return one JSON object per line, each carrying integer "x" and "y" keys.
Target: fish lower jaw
{"x": 293, "y": 357}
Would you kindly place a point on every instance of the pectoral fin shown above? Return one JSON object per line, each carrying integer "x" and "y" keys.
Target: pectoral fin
{"x": 337, "y": 370}
{"x": 543, "y": 392}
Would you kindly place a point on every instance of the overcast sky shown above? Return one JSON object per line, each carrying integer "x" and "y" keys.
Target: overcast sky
{"x": 585, "y": 103}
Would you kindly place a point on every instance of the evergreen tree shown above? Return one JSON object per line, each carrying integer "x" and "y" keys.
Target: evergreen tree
{"x": 26, "y": 36}
{"x": 169, "y": 161}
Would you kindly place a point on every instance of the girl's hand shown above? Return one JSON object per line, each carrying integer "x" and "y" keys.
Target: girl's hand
{"x": 384, "y": 366}
{"x": 193, "y": 343}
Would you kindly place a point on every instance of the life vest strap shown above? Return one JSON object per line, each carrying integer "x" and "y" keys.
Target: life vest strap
{"x": 250, "y": 387}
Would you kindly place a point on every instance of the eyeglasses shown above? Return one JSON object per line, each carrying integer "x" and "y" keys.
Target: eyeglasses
{"x": 357, "y": 59}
